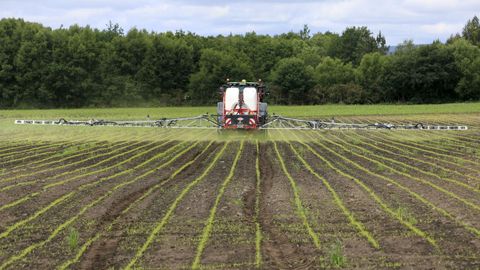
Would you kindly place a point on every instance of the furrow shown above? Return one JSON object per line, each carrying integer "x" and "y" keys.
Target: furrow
{"x": 147, "y": 193}
{"x": 425, "y": 150}
{"x": 410, "y": 157}
{"x": 29, "y": 249}
{"x": 298, "y": 202}
{"x": 211, "y": 218}
{"x": 258, "y": 195}
{"x": 139, "y": 253}
{"x": 338, "y": 201}
{"x": 396, "y": 183}
{"x": 421, "y": 180}
{"x": 374, "y": 196}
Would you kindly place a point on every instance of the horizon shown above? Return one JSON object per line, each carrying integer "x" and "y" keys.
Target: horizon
{"x": 421, "y": 21}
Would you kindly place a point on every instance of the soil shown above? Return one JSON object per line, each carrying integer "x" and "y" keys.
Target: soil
{"x": 123, "y": 221}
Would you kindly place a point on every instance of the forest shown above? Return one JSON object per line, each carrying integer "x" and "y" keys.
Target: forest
{"x": 41, "y": 67}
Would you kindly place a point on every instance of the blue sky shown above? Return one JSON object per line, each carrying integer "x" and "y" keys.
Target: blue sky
{"x": 422, "y": 21}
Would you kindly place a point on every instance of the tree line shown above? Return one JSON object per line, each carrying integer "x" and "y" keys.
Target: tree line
{"x": 83, "y": 67}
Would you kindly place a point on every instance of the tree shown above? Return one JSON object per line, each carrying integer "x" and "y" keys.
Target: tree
{"x": 326, "y": 43}
{"x": 293, "y": 80}
{"x": 332, "y": 71}
{"x": 467, "y": 60}
{"x": 305, "y": 32}
{"x": 471, "y": 31}
{"x": 215, "y": 68}
{"x": 83, "y": 66}
{"x": 10, "y": 42}
{"x": 370, "y": 75}
{"x": 31, "y": 59}
{"x": 357, "y": 41}
{"x": 421, "y": 74}
{"x": 166, "y": 68}
{"x": 333, "y": 78}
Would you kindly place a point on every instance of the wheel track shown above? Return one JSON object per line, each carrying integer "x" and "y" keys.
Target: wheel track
{"x": 211, "y": 218}
{"x": 277, "y": 249}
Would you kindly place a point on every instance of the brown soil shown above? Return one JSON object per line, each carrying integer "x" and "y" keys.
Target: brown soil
{"x": 286, "y": 243}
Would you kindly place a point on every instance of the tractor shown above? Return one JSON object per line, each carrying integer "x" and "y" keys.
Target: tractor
{"x": 242, "y": 105}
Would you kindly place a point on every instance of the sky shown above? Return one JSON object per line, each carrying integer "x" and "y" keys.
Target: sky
{"x": 423, "y": 21}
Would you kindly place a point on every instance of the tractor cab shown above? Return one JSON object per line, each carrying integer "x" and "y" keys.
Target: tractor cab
{"x": 242, "y": 106}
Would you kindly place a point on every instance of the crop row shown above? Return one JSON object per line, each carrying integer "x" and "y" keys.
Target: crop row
{"x": 258, "y": 195}
{"x": 36, "y": 147}
{"x": 431, "y": 165}
{"x": 394, "y": 214}
{"x": 112, "y": 155}
{"x": 338, "y": 201}
{"x": 64, "y": 225}
{"x": 301, "y": 212}
{"x": 88, "y": 149}
{"x": 79, "y": 172}
{"x": 409, "y": 175}
{"x": 116, "y": 149}
{"x": 147, "y": 193}
{"x": 63, "y": 198}
{"x": 395, "y": 183}
{"x": 431, "y": 150}
{"x": 171, "y": 209}
{"x": 411, "y": 157}
{"x": 75, "y": 149}
{"x": 207, "y": 230}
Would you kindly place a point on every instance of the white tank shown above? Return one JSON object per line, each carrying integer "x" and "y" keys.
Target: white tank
{"x": 231, "y": 98}
{"x": 250, "y": 98}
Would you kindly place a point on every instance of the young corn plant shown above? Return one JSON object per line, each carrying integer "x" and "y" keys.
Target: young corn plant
{"x": 406, "y": 215}
{"x": 72, "y": 239}
{"x": 337, "y": 259}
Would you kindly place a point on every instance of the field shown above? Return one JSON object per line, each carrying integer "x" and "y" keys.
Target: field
{"x": 143, "y": 198}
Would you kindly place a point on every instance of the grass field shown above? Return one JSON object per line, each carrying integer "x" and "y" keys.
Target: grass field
{"x": 143, "y": 198}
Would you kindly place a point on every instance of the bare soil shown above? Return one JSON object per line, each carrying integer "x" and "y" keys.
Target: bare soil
{"x": 122, "y": 222}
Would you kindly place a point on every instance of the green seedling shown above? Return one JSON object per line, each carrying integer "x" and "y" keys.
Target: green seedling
{"x": 337, "y": 259}
{"x": 72, "y": 239}
{"x": 406, "y": 215}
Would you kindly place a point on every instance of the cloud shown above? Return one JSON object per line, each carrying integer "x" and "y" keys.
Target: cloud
{"x": 421, "y": 20}
{"x": 441, "y": 28}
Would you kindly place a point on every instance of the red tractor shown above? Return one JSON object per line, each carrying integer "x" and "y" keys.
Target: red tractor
{"x": 242, "y": 106}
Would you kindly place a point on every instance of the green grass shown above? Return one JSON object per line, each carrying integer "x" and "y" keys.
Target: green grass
{"x": 293, "y": 111}
{"x": 9, "y": 131}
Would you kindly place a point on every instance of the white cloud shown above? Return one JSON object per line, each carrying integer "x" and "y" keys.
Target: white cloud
{"x": 421, "y": 20}
{"x": 441, "y": 28}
